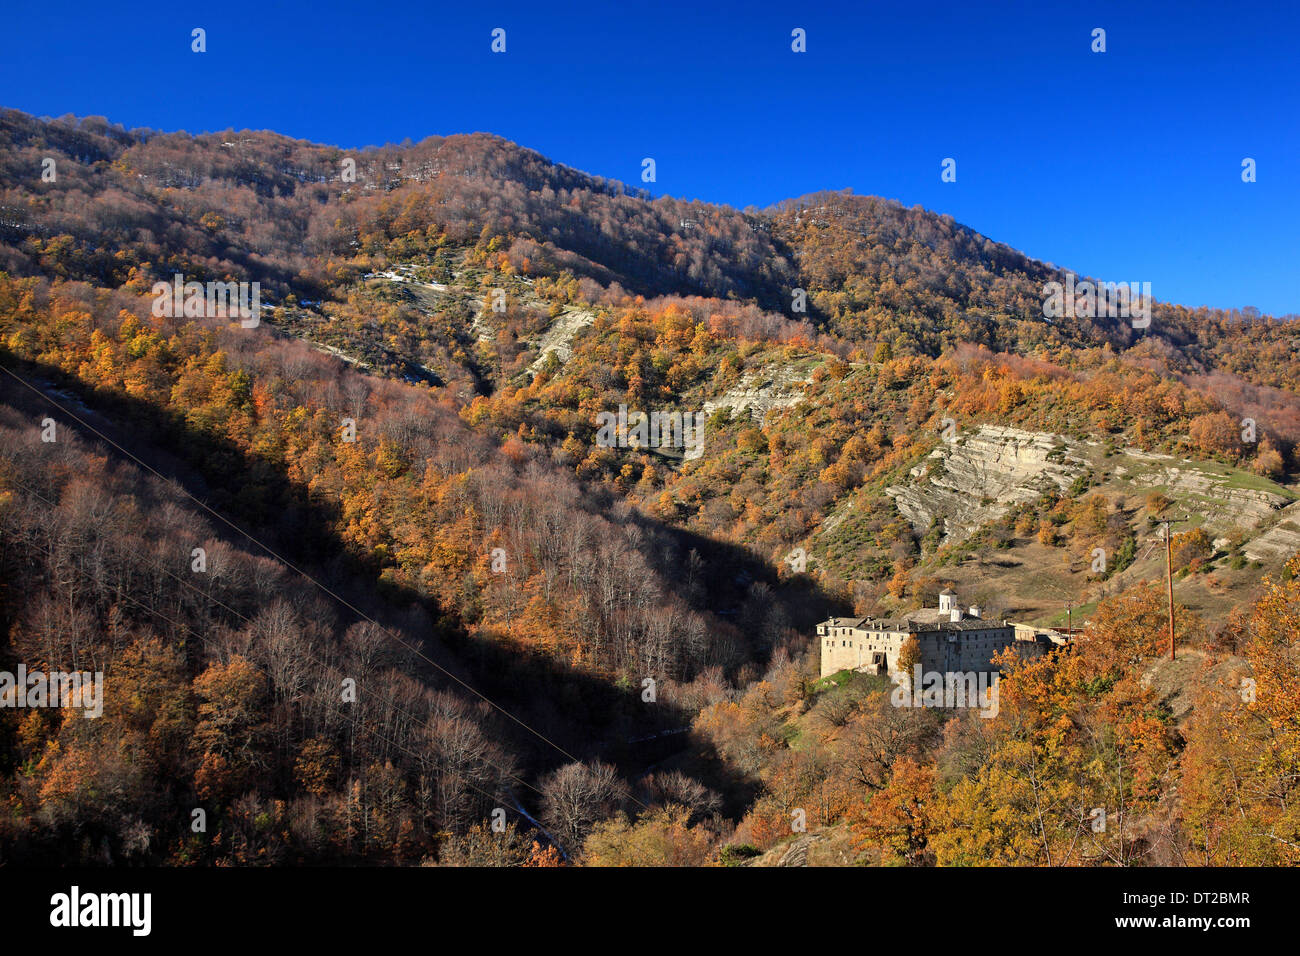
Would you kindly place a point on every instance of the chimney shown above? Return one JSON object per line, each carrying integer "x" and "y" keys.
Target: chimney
{"x": 974, "y": 610}
{"x": 956, "y": 614}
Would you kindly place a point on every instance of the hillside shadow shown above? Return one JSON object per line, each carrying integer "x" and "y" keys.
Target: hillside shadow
{"x": 580, "y": 715}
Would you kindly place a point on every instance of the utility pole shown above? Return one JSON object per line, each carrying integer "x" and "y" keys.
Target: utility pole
{"x": 1169, "y": 583}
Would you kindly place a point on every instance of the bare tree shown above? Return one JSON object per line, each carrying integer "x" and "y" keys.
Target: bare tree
{"x": 576, "y": 797}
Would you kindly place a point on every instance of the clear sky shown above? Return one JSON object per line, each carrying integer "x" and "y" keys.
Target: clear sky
{"x": 1125, "y": 165}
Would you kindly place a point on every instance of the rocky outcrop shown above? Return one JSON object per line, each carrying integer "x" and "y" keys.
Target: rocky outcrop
{"x": 760, "y": 392}
{"x": 980, "y": 476}
{"x": 558, "y": 337}
{"x": 1218, "y": 503}
{"x": 1279, "y": 542}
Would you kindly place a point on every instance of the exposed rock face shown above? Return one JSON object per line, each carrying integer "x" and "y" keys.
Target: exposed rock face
{"x": 794, "y": 853}
{"x": 833, "y": 846}
{"x": 797, "y": 853}
{"x": 980, "y": 476}
{"x": 760, "y": 392}
{"x": 1279, "y": 542}
{"x": 1205, "y": 492}
{"x": 558, "y": 337}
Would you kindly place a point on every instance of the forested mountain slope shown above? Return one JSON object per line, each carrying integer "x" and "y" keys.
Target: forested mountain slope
{"x": 468, "y": 310}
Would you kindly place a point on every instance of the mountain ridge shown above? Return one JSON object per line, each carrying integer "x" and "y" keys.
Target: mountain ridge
{"x": 416, "y": 411}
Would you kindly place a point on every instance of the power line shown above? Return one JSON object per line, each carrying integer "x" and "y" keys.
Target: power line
{"x": 154, "y": 612}
{"x": 389, "y": 632}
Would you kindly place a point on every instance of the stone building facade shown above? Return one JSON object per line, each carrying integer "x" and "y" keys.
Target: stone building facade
{"x": 949, "y": 637}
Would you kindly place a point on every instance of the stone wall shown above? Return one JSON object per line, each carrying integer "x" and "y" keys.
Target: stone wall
{"x": 848, "y": 648}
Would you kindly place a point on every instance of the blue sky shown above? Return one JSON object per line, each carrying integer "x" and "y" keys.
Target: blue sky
{"x": 1124, "y": 165}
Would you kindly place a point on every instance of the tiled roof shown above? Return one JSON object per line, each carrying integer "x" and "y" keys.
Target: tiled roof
{"x": 921, "y": 627}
